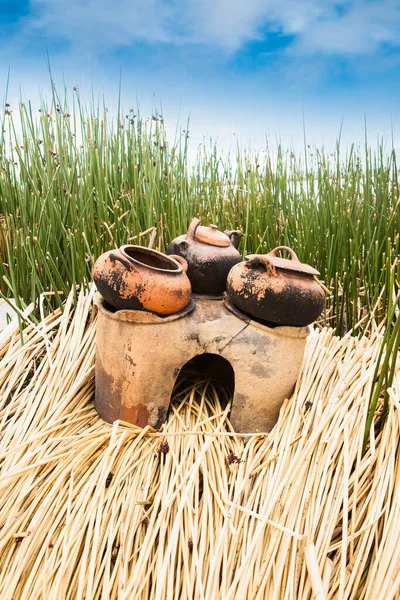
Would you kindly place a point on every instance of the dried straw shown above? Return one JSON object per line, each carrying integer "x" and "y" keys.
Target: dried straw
{"x": 89, "y": 510}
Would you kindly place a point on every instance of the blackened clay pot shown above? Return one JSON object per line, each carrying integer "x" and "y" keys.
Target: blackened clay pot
{"x": 276, "y": 290}
{"x": 210, "y": 255}
{"x": 138, "y": 278}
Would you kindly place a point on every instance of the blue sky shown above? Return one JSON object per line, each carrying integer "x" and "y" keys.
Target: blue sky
{"x": 242, "y": 69}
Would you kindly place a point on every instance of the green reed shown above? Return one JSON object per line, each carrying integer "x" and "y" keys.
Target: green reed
{"x": 75, "y": 182}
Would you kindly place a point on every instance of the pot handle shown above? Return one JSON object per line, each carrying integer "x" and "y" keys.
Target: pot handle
{"x": 291, "y": 252}
{"x": 180, "y": 260}
{"x": 255, "y": 260}
{"x": 128, "y": 266}
{"x": 191, "y": 232}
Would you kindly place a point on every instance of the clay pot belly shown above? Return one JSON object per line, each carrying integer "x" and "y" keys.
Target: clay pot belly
{"x": 271, "y": 289}
{"x": 284, "y": 300}
{"x": 138, "y": 278}
{"x": 208, "y": 271}
{"x": 210, "y": 255}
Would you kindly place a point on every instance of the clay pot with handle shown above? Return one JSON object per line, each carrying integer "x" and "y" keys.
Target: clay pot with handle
{"x": 138, "y": 278}
{"x": 276, "y": 290}
{"x": 210, "y": 254}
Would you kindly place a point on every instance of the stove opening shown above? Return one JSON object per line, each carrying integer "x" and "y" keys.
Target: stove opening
{"x": 208, "y": 366}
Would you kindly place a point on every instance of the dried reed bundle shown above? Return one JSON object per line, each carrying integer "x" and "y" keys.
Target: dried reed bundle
{"x": 89, "y": 510}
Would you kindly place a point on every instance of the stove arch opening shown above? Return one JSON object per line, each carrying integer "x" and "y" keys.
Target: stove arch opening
{"x": 209, "y": 366}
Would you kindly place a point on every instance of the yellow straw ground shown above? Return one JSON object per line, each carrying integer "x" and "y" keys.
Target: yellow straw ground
{"x": 89, "y": 510}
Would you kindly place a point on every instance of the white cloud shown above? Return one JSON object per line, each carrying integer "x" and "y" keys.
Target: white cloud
{"x": 327, "y": 26}
{"x": 102, "y": 23}
{"x": 362, "y": 28}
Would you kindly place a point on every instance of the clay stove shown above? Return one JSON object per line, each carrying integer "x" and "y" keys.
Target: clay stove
{"x": 139, "y": 356}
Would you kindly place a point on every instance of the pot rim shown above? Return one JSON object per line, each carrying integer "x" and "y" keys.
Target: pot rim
{"x": 177, "y": 271}
{"x": 139, "y": 317}
{"x": 292, "y": 331}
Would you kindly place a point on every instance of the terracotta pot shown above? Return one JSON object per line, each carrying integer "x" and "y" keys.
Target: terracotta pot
{"x": 276, "y": 290}
{"x": 210, "y": 255}
{"x": 138, "y": 278}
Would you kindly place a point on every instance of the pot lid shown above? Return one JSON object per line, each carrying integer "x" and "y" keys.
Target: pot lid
{"x": 212, "y": 236}
{"x": 292, "y": 264}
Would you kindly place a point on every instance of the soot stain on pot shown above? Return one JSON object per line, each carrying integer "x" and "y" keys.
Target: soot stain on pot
{"x": 239, "y": 400}
{"x": 292, "y": 310}
{"x": 222, "y": 338}
{"x": 116, "y": 289}
{"x": 116, "y": 281}
{"x": 178, "y": 293}
{"x": 251, "y": 339}
{"x": 250, "y": 286}
{"x": 279, "y": 296}
{"x": 135, "y": 304}
{"x": 260, "y": 370}
{"x": 140, "y": 289}
{"x": 161, "y": 417}
{"x": 209, "y": 276}
{"x": 131, "y": 363}
{"x": 107, "y": 388}
{"x": 194, "y": 337}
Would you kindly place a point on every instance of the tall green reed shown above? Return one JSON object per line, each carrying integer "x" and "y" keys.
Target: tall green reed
{"x": 75, "y": 182}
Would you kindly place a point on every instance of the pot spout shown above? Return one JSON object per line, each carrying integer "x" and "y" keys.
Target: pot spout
{"x": 235, "y": 236}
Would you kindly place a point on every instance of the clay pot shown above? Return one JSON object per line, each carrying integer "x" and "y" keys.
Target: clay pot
{"x": 276, "y": 290}
{"x": 138, "y": 278}
{"x": 210, "y": 255}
